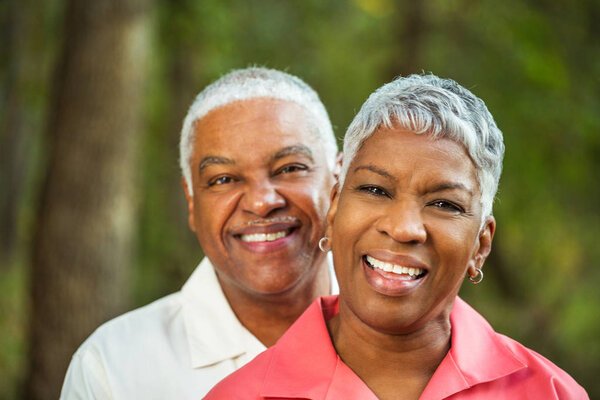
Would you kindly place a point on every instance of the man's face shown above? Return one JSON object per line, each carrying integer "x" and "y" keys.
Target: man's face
{"x": 260, "y": 195}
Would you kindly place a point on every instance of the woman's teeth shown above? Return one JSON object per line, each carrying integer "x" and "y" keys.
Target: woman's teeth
{"x": 396, "y": 269}
{"x": 264, "y": 237}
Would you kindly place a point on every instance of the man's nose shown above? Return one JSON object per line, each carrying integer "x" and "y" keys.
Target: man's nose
{"x": 261, "y": 198}
{"x": 404, "y": 223}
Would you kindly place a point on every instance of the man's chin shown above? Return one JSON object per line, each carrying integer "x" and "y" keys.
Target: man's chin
{"x": 276, "y": 278}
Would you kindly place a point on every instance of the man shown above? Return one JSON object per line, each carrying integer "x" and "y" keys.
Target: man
{"x": 258, "y": 158}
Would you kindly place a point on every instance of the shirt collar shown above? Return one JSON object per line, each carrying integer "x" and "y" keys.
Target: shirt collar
{"x": 476, "y": 355}
{"x": 318, "y": 373}
{"x": 214, "y": 332}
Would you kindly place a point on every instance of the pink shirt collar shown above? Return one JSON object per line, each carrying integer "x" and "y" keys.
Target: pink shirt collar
{"x": 304, "y": 363}
{"x": 475, "y": 356}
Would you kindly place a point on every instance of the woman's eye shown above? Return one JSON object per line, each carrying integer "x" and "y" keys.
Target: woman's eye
{"x": 222, "y": 180}
{"x": 374, "y": 190}
{"x": 447, "y": 206}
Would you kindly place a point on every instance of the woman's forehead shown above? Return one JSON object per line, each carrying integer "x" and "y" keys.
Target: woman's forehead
{"x": 399, "y": 154}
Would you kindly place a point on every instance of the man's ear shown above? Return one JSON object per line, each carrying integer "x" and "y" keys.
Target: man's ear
{"x": 190, "y": 203}
{"x": 338, "y": 166}
{"x": 483, "y": 246}
{"x": 333, "y": 197}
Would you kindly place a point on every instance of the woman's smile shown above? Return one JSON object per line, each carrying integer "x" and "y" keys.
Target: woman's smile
{"x": 395, "y": 277}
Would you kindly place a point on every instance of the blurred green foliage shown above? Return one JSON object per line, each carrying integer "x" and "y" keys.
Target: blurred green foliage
{"x": 536, "y": 63}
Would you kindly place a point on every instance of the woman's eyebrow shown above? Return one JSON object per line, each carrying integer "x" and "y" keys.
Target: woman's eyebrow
{"x": 440, "y": 187}
{"x": 376, "y": 170}
{"x": 291, "y": 150}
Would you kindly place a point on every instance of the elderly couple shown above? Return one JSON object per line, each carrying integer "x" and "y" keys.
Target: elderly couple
{"x": 407, "y": 216}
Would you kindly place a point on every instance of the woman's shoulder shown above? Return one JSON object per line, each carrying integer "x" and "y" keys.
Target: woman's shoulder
{"x": 541, "y": 369}
{"x": 509, "y": 364}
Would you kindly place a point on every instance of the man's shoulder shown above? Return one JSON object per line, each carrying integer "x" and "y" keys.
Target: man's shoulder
{"x": 123, "y": 350}
{"x": 135, "y": 328}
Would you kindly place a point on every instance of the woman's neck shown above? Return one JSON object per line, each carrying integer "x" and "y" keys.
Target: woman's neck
{"x": 394, "y": 366}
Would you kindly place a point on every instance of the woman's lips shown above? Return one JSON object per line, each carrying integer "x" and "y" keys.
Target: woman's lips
{"x": 396, "y": 269}
{"x": 392, "y": 278}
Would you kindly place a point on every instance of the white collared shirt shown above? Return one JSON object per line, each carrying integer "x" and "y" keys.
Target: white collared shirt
{"x": 177, "y": 347}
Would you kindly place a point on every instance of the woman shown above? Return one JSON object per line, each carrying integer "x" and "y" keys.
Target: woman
{"x": 410, "y": 218}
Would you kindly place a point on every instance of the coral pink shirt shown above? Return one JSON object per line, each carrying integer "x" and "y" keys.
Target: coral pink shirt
{"x": 481, "y": 364}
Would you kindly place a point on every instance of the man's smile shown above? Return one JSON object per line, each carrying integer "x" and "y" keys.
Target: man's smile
{"x": 265, "y": 237}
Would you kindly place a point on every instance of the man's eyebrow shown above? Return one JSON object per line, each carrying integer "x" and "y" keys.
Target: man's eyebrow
{"x": 291, "y": 150}
{"x": 376, "y": 170}
{"x": 212, "y": 160}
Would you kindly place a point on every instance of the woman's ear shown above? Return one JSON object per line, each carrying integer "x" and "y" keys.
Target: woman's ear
{"x": 333, "y": 197}
{"x": 483, "y": 246}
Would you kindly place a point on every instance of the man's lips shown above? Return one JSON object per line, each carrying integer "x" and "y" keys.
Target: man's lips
{"x": 265, "y": 231}
{"x": 264, "y": 237}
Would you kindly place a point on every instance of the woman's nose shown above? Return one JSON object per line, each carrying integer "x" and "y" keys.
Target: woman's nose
{"x": 403, "y": 223}
{"x": 262, "y": 198}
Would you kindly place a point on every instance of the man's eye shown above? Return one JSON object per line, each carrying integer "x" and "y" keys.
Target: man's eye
{"x": 292, "y": 168}
{"x": 222, "y": 180}
{"x": 447, "y": 206}
{"x": 374, "y": 190}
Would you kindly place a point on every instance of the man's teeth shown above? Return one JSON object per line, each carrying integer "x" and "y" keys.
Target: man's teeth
{"x": 263, "y": 237}
{"x": 396, "y": 269}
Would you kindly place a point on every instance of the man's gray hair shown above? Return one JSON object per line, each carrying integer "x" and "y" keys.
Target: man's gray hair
{"x": 438, "y": 107}
{"x": 250, "y": 83}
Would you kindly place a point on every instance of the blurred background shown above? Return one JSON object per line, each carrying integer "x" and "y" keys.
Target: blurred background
{"x": 93, "y": 94}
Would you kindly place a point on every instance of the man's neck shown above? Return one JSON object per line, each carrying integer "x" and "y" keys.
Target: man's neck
{"x": 268, "y": 316}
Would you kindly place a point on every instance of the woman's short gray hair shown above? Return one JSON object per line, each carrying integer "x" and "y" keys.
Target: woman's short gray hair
{"x": 250, "y": 83}
{"x": 438, "y": 107}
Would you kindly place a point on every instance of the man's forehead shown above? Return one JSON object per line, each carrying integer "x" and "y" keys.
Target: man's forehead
{"x": 251, "y": 110}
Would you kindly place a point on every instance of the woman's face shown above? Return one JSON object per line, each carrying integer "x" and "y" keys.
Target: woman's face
{"x": 405, "y": 230}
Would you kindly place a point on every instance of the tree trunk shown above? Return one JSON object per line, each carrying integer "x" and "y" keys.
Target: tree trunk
{"x": 408, "y": 28}
{"x": 83, "y": 244}
{"x": 13, "y": 153}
